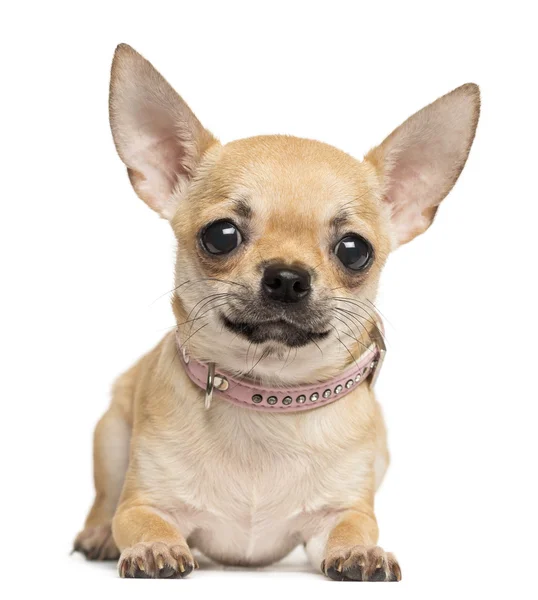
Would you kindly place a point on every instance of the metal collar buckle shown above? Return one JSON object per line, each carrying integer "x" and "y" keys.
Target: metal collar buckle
{"x": 213, "y": 381}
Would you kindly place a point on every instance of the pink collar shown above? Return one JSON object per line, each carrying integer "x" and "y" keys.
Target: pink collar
{"x": 284, "y": 399}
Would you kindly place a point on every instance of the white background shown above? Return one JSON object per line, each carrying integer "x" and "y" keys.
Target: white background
{"x": 86, "y": 267}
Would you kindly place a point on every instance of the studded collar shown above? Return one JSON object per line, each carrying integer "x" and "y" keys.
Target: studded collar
{"x": 248, "y": 394}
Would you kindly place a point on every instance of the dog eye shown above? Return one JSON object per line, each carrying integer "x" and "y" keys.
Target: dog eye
{"x": 221, "y": 237}
{"x": 354, "y": 252}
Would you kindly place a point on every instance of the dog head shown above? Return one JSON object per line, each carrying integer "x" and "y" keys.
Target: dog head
{"x": 281, "y": 240}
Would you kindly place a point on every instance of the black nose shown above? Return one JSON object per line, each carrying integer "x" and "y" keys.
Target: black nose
{"x": 285, "y": 284}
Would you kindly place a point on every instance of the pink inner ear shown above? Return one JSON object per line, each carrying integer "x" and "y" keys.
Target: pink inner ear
{"x": 421, "y": 160}
{"x": 161, "y": 162}
{"x": 157, "y": 154}
{"x": 156, "y": 134}
{"x": 407, "y": 216}
{"x": 420, "y": 177}
{"x": 162, "y": 155}
{"x": 408, "y": 192}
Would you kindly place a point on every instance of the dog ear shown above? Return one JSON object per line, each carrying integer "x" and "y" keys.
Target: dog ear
{"x": 420, "y": 161}
{"x": 156, "y": 134}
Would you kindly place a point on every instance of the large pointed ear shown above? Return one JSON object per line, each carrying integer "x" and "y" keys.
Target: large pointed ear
{"x": 421, "y": 160}
{"x": 156, "y": 134}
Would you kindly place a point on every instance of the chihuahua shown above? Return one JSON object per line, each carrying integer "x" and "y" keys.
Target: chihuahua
{"x": 253, "y": 427}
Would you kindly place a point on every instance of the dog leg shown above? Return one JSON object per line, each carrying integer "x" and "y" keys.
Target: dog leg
{"x": 111, "y": 458}
{"x": 152, "y": 546}
{"x": 349, "y": 549}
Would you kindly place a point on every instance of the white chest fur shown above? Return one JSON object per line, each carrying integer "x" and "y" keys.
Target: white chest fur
{"x": 245, "y": 486}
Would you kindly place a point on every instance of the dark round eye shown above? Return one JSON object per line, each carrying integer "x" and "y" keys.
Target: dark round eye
{"x": 221, "y": 237}
{"x": 354, "y": 252}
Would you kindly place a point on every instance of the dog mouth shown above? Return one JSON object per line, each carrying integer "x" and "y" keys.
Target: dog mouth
{"x": 278, "y": 330}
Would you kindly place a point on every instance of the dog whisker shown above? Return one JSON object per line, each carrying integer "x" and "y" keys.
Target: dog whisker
{"x": 341, "y": 342}
{"x": 286, "y": 361}
{"x": 358, "y": 304}
{"x": 264, "y": 354}
{"x": 373, "y": 320}
{"x": 374, "y": 306}
{"x": 346, "y": 323}
{"x": 356, "y": 338}
{"x": 355, "y": 318}
{"x": 192, "y": 334}
{"x": 203, "y": 314}
{"x": 317, "y": 345}
{"x": 201, "y": 280}
{"x": 209, "y": 299}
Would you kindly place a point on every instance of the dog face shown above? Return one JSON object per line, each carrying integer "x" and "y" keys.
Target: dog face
{"x": 281, "y": 240}
{"x": 293, "y": 224}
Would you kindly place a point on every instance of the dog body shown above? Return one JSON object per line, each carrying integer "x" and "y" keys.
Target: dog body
{"x": 281, "y": 242}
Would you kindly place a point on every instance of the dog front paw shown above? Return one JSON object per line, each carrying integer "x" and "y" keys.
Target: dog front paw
{"x": 362, "y": 563}
{"x": 97, "y": 543}
{"x": 156, "y": 560}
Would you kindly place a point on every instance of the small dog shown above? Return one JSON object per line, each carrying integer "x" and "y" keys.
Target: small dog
{"x": 253, "y": 427}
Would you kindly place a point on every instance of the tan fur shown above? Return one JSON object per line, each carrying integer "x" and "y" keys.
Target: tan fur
{"x": 246, "y": 487}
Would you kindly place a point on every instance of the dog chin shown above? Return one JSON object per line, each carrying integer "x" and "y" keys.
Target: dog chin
{"x": 279, "y": 331}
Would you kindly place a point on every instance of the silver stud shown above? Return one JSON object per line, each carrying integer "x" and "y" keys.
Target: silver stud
{"x": 338, "y": 389}
{"x": 358, "y": 378}
{"x": 272, "y": 400}
{"x": 349, "y": 383}
{"x": 301, "y": 399}
{"x": 287, "y": 400}
{"x": 373, "y": 365}
{"x": 314, "y": 397}
{"x": 327, "y": 394}
{"x": 221, "y": 383}
{"x": 257, "y": 398}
